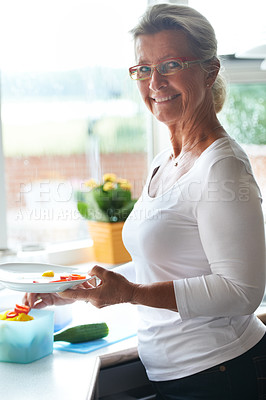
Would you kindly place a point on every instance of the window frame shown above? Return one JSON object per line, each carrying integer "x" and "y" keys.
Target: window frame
{"x": 242, "y": 70}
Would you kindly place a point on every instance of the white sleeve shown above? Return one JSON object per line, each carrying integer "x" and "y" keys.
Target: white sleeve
{"x": 231, "y": 228}
{"x": 127, "y": 270}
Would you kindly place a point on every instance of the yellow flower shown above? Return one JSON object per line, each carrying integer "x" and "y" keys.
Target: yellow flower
{"x": 125, "y": 185}
{"x": 109, "y": 178}
{"x": 91, "y": 183}
{"x": 108, "y": 186}
{"x": 121, "y": 180}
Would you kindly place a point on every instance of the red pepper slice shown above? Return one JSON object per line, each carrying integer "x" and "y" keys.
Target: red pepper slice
{"x": 77, "y": 276}
{"x": 74, "y": 278}
{"x": 22, "y": 309}
{"x": 11, "y": 314}
{"x": 61, "y": 280}
{"x": 70, "y": 278}
{"x": 64, "y": 277}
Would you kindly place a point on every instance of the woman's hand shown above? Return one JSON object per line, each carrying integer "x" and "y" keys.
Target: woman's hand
{"x": 41, "y": 300}
{"x": 113, "y": 289}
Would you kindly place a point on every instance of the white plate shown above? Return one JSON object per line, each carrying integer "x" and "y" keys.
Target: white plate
{"x": 20, "y": 277}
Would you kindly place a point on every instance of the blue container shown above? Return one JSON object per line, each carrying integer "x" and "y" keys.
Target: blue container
{"x": 62, "y": 316}
{"x": 24, "y": 342}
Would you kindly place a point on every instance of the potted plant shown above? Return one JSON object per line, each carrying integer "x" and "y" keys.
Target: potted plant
{"x": 106, "y": 205}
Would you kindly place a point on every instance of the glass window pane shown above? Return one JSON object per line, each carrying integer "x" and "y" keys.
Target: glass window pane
{"x": 244, "y": 118}
{"x": 244, "y": 114}
{"x": 69, "y": 111}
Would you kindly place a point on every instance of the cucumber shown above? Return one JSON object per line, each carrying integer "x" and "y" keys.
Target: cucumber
{"x": 83, "y": 333}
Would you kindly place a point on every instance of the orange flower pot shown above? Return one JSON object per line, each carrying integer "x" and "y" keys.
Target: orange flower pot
{"x": 108, "y": 246}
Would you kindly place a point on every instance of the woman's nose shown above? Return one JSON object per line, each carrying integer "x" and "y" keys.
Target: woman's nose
{"x": 157, "y": 81}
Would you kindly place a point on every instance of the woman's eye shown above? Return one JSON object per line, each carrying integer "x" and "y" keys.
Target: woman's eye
{"x": 172, "y": 65}
{"x": 144, "y": 69}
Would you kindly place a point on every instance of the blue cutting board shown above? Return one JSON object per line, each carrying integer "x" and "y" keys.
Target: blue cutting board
{"x": 116, "y": 334}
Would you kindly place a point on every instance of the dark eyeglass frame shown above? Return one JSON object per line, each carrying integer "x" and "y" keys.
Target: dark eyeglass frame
{"x": 185, "y": 62}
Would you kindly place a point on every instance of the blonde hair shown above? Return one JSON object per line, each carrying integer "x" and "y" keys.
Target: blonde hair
{"x": 197, "y": 28}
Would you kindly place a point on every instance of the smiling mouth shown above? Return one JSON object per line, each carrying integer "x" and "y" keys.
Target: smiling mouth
{"x": 163, "y": 99}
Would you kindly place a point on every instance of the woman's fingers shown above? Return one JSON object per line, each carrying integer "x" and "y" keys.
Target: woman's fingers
{"x": 113, "y": 289}
{"x": 41, "y": 300}
{"x": 99, "y": 272}
{"x": 29, "y": 299}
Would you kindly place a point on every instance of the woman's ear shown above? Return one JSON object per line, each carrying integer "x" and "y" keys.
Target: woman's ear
{"x": 212, "y": 69}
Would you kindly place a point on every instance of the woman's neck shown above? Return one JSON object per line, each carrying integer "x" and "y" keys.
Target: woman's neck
{"x": 185, "y": 138}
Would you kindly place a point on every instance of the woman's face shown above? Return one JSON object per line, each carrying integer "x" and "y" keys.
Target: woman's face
{"x": 177, "y": 98}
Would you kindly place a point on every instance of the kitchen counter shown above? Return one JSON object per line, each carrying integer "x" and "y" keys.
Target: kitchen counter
{"x": 67, "y": 375}
{"x": 62, "y": 375}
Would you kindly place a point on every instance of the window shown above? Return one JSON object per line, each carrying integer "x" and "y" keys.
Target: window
{"x": 244, "y": 118}
{"x": 244, "y": 113}
{"x": 69, "y": 111}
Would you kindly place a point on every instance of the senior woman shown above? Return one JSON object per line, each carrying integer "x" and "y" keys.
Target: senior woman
{"x": 196, "y": 235}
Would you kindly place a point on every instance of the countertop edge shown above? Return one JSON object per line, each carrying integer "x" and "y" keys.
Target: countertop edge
{"x": 92, "y": 387}
{"x": 118, "y": 357}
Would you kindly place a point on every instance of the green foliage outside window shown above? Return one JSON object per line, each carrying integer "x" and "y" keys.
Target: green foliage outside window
{"x": 56, "y": 112}
{"x": 244, "y": 113}
{"x": 121, "y": 134}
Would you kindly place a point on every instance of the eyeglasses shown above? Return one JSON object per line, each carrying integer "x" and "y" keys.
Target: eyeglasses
{"x": 167, "y": 67}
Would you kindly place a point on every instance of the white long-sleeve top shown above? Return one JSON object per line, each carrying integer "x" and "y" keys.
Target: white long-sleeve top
{"x": 206, "y": 234}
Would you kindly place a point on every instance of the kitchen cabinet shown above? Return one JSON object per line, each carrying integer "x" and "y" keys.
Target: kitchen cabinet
{"x": 125, "y": 381}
